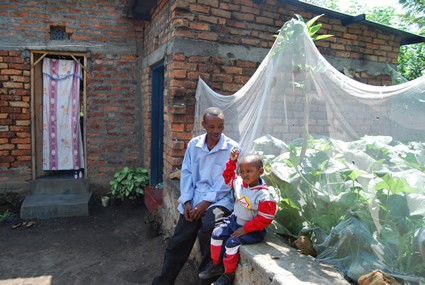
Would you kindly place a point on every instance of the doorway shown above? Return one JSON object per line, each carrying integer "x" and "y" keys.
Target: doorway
{"x": 157, "y": 125}
{"x": 42, "y": 120}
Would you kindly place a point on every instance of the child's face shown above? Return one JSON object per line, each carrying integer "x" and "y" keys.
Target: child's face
{"x": 250, "y": 173}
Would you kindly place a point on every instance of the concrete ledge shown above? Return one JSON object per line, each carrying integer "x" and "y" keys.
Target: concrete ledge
{"x": 275, "y": 262}
{"x": 270, "y": 262}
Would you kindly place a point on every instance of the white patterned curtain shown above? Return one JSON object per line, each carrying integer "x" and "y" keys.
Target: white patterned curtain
{"x": 62, "y": 142}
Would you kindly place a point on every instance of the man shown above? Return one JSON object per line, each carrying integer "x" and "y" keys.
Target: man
{"x": 205, "y": 199}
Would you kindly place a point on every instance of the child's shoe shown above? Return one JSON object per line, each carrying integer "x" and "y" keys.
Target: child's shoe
{"x": 225, "y": 279}
{"x": 211, "y": 270}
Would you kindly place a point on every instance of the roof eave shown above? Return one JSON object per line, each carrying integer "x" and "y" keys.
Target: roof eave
{"x": 139, "y": 9}
{"x": 406, "y": 38}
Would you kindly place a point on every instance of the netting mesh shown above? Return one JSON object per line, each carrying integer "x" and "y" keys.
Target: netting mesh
{"x": 345, "y": 159}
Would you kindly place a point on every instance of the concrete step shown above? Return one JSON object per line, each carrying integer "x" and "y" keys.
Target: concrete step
{"x": 59, "y": 185}
{"x": 53, "y": 206}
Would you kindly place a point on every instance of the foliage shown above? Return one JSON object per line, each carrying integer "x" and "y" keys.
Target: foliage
{"x": 385, "y": 15}
{"x": 129, "y": 183}
{"x": 377, "y": 180}
{"x": 415, "y": 13}
{"x": 5, "y": 215}
{"x": 411, "y": 61}
{"x": 312, "y": 29}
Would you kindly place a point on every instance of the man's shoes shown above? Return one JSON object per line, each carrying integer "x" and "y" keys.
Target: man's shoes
{"x": 225, "y": 279}
{"x": 211, "y": 270}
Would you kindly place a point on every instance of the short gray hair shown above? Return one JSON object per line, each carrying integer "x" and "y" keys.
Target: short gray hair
{"x": 212, "y": 111}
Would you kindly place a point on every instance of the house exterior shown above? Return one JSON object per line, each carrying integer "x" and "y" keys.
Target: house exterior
{"x": 141, "y": 61}
{"x": 106, "y": 44}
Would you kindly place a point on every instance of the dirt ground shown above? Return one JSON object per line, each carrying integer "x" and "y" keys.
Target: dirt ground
{"x": 110, "y": 246}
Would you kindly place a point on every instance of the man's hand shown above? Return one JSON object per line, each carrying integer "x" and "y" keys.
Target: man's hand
{"x": 239, "y": 232}
{"x": 187, "y": 211}
{"x": 199, "y": 210}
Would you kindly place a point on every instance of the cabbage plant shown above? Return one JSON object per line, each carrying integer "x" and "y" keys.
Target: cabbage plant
{"x": 361, "y": 202}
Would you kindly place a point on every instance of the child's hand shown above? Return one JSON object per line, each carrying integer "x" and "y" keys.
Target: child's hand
{"x": 239, "y": 232}
{"x": 234, "y": 154}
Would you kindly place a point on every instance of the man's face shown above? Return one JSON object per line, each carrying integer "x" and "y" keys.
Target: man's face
{"x": 214, "y": 126}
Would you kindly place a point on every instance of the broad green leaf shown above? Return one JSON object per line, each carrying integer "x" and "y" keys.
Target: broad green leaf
{"x": 312, "y": 21}
{"x": 128, "y": 183}
{"x": 322, "y": 37}
{"x": 314, "y": 29}
{"x": 395, "y": 185}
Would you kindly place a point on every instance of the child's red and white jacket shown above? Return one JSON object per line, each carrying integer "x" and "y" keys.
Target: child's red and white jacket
{"x": 254, "y": 207}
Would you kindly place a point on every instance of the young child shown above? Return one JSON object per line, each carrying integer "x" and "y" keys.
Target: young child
{"x": 254, "y": 210}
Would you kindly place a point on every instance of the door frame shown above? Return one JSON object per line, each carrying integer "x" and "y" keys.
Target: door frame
{"x": 37, "y": 107}
{"x": 157, "y": 125}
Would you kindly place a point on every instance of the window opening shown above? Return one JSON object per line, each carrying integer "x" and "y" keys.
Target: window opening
{"x": 59, "y": 33}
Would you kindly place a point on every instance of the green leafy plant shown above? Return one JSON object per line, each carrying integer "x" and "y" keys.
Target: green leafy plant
{"x": 288, "y": 37}
{"x": 313, "y": 29}
{"x": 129, "y": 183}
{"x": 5, "y": 215}
{"x": 375, "y": 180}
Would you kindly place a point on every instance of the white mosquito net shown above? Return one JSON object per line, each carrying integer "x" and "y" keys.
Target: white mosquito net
{"x": 345, "y": 160}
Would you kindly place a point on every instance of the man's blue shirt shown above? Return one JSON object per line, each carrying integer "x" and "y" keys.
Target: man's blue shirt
{"x": 201, "y": 176}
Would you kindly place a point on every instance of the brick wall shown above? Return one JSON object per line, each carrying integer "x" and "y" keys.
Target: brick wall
{"x": 15, "y": 121}
{"x": 214, "y": 35}
{"x": 100, "y": 30}
{"x": 357, "y": 42}
{"x": 112, "y": 110}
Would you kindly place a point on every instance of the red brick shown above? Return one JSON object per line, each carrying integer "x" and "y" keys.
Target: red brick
{"x": 199, "y": 26}
{"x": 22, "y": 158}
{"x": 177, "y": 127}
{"x": 243, "y": 16}
{"x": 19, "y": 128}
{"x": 232, "y": 70}
{"x": 199, "y": 8}
{"x": 11, "y": 72}
{"x": 183, "y": 33}
{"x": 6, "y": 146}
{"x": 231, "y": 87}
{"x": 178, "y": 74}
{"x": 208, "y": 36}
{"x": 21, "y": 141}
{"x": 23, "y": 122}
{"x": 19, "y": 104}
{"x": 21, "y": 152}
